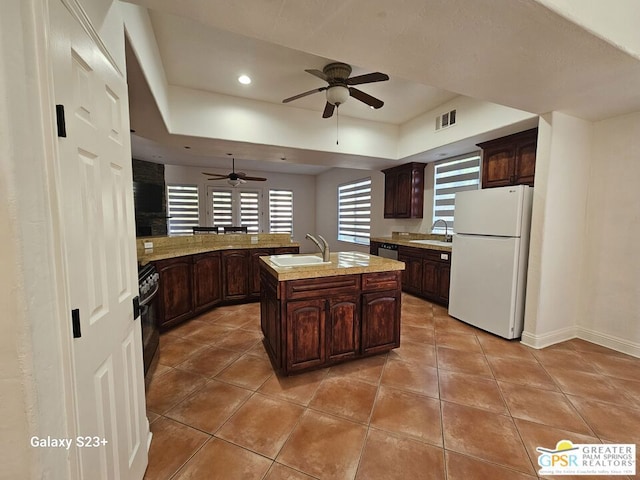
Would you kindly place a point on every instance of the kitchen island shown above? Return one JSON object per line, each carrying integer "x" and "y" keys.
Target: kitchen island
{"x": 318, "y": 315}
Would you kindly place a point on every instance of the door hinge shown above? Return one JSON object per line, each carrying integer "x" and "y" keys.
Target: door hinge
{"x": 75, "y": 322}
{"x": 62, "y": 128}
{"x": 136, "y": 307}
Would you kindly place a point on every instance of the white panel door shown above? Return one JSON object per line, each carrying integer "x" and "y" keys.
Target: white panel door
{"x": 484, "y": 281}
{"x": 95, "y": 183}
{"x": 491, "y": 211}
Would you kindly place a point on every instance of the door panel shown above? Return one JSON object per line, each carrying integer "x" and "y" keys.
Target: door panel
{"x": 96, "y": 202}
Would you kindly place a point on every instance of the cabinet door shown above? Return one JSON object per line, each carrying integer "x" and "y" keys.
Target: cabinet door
{"x": 176, "y": 301}
{"x": 525, "y": 162}
{"x": 380, "y": 321}
{"x": 498, "y": 165}
{"x": 373, "y": 248}
{"x": 343, "y": 327}
{"x": 305, "y": 334}
{"x": 207, "y": 288}
{"x": 444, "y": 276}
{"x": 254, "y": 276}
{"x": 412, "y": 274}
{"x": 404, "y": 193}
{"x": 270, "y": 318}
{"x": 430, "y": 272}
{"x": 235, "y": 272}
{"x": 390, "y": 193}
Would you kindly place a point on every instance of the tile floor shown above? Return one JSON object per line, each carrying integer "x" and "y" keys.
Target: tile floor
{"x": 451, "y": 403}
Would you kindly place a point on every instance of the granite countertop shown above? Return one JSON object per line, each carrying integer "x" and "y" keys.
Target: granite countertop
{"x": 342, "y": 263}
{"x": 165, "y": 247}
{"x": 407, "y": 242}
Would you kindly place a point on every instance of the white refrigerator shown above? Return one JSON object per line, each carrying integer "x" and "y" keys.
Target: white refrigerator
{"x": 489, "y": 258}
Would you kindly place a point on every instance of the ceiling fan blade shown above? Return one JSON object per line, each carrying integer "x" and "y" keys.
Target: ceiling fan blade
{"x": 214, "y": 175}
{"x": 368, "y": 78}
{"x": 295, "y": 97}
{"x": 220, "y": 178}
{"x": 318, "y": 74}
{"x": 328, "y": 110}
{"x": 365, "y": 97}
{"x": 254, "y": 179}
{"x": 241, "y": 174}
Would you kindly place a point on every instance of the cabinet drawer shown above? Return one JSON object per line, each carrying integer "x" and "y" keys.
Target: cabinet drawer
{"x": 437, "y": 256}
{"x": 372, "y": 282}
{"x": 322, "y": 287}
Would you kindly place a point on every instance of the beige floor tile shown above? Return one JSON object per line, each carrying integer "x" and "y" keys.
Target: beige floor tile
{"x": 169, "y": 436}
{"x": 219, "y": 460}
{"x": 324, "y": 446}
{"x": 463, "y": 467}
{"x": 408, "y": 414}
{"x": 210, "y": 407}
{"x": 588, "y": 385}
{"x": 485, "y": 435}
{"x": 262, "y": 424}
{"x": 280, "y": 472}
{"x": 296, "y": 388}
{"x": 412, "y": 377}
{"x": 345, "y": 398}
{"x": 177, "y": 351}
{"x": 248, "y": 371}
{"x": 420, "y": 354}
{"x": 522, "y": 372}
{"x": 610, "y": 422}
{"x": 168, "y": 389}
{"x": 209, "y": 361}
{"x": 464, "y": 362}
{"x": 367, "y": 369}
{"x": 458, "y": 341}
{"x": 410, "y": 459}
{"x": 472, "y": 391}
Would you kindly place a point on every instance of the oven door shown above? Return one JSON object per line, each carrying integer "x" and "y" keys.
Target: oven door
{"x": 150, "y": 334}
{"x": 388, "y": 253}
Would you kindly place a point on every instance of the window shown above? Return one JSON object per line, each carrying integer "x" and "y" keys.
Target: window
{"x": 182, "y": 206}
{"x": 235, "y": 207}
{"x": 354, "y": 211}
{"x": 450, "y": 176}
{"x": 280, "y": 211}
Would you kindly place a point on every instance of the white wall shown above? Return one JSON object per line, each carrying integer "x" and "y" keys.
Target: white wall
{"x": 563, "y": 161}
{"x": 303, "y": 186}
{"x": 610, "y": 287}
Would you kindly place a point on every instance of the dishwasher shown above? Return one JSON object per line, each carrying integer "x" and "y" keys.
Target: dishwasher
{"x": 388, "y": 250}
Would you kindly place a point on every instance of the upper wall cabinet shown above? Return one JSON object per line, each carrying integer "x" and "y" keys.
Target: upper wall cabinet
{"x": 404, "y": 191}
{"x": 509, "y": 160}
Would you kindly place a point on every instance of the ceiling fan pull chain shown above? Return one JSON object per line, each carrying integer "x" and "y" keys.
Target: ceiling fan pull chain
{"x": 337, "y": 124}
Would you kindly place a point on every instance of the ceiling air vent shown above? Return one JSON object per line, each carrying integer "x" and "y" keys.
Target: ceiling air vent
{"x": 446, "y": 120}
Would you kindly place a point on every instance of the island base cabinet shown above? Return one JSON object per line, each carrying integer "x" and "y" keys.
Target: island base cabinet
{"x": 378, "y": 334}
{"x": 305, "y": 334}
{"x": 329, "y": 320}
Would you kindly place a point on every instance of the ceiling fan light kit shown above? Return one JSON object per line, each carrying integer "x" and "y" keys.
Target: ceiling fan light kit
{"x": 339, "y": 87}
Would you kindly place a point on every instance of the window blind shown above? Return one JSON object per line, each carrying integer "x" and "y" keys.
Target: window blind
{"x": 222, "y": 205}
{"x": 250, "y": 211}
{"x": 182, "y": 206}
{"x": 451, "y": 176}
{"x": 280, "y": 211}
{"x": 354, "y": 211}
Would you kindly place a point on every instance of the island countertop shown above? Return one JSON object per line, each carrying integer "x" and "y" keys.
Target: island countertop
{"x": 342, "y": 263}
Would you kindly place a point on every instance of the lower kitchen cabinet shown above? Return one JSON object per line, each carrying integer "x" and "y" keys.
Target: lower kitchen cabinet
{"x": 207, "y": 281}
{"x": 316, "y": 322}
{"x": 379, "y": 335}
{"x": 176, "y": 300}
{"x": 254, "y": 274}
{"x": 235, "y": 272}
{"x": 427, "y": 273}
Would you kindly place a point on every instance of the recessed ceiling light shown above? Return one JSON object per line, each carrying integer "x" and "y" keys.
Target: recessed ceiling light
{"x": 244, "y": 79}
{"x": 187, "y": 147}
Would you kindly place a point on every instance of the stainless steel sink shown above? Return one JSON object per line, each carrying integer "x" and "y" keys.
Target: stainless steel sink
{"x": 297, "y": 260}
{"x": 438, "y": 243}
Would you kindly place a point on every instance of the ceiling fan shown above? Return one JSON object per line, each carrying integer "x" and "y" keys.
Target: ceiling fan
{"x": 339, "y": 87}
{"x": 234, "y": 178}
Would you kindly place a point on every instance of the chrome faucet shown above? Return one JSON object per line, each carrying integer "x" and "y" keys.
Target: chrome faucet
{"x": 447, "y": 237}
{"x": 324, "y": 246}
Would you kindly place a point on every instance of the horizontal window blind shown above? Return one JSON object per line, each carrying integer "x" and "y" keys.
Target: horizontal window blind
{"x": 222, "y": 208}
{"x": 280, "y": 211}
{"x": 250, "y": 211}
{"x": 182, "y": 207}
{"x": 354, "y": 211}
{"x": 451, "y": 176}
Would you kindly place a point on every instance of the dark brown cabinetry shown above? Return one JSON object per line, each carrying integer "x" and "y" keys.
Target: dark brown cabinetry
{"x": 509, "y": 160}
{"x": 207, "y": 281}
{"x": 193, "y": 284}
{"x": 404, "y": 191}
{"x": 235, "y": 272}
{"x": 427, "y": 273}
{"x": 314, "y": 322}
{"x": 176, "y": 301}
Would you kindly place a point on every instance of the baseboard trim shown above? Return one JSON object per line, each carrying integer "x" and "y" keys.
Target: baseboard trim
{"x": 609, "y": 341}
{"x": 548, "y": 339}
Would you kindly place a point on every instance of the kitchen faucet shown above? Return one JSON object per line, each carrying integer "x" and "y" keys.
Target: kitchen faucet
{"x": 324, "y": 246}
{"x": 447, "y": 237}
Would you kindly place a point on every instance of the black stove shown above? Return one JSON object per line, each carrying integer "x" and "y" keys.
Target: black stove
{"x": 149, "y": 284}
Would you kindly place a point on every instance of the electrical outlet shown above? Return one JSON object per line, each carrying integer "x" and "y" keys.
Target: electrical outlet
{"x": 148, "y": 245}
{"x": 254, "y": 239}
